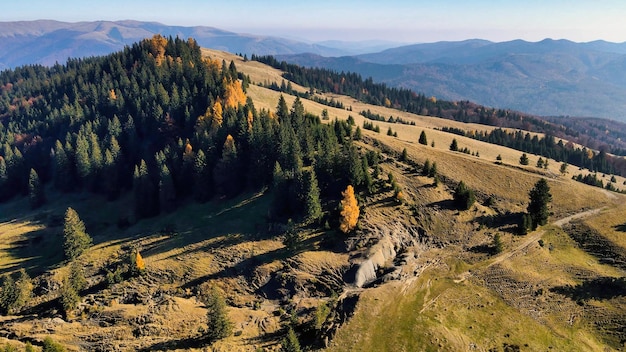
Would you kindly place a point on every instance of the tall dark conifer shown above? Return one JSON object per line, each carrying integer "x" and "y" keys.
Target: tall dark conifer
{"x": 36, "y": 194}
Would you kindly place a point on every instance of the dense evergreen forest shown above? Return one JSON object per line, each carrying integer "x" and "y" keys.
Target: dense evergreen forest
{"x": 369, "y": 92}
{"x": 548, "y": 147}
{"x": 159, "y": 119}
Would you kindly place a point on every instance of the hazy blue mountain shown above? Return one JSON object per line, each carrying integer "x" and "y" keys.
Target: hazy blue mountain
{"x": 46, "y": 42}
{"x": 550, "y": 77}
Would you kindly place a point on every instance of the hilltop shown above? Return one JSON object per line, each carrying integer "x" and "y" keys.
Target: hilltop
{"x": 418, "y": 272}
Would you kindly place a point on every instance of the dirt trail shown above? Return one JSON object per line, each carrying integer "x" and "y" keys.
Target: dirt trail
{"x": 530, "y": 239}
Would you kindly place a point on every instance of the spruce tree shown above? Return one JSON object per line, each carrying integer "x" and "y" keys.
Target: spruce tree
{"x": 523, "y": 160}
{"x": 167, "y": 191}
{"x": 76, "y": 239}
{"x": 312, "y": 204}
{"x": 423, "y": 139}
{"x": 76, "y": 276}
{"x": 219, "y": 325}
{"x": 8, "y": 294}
{"x": 498, "y": 246}
{"x": 290, "y": 343}
{"x": 62, "y": 175}
{"x": 146, "y": 203}
{"x": 454, "y": 146}
{"x": 202, "y": 178}
{"x": 36, "y": 194}
{"x": 464, "y": 196}
{"x": 538, "y": 207}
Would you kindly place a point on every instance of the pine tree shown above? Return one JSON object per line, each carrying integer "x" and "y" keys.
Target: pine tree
{"x": 202, "y": 178}
{"x": 423, "y": 139}
{"x": 498, "y": 246}
{"x": 219, "y": 325}
{"x": 312, "y": 204}
{"x": 454, "y": 146}
{"x": 290, "y": 343}
{"x": 69, "y": 297}
{"x": 8, "y": 294}
{"x": 540, "y": 163}
{"x": 523, "y": 160}
{"x": 76, "y": 276}
{"x": 76, "y": 239}
{"x": 146, "y": 204}
{"x": 349, "y": 214}
{"x": 50, "y": 345}
{"x": 62, "y": 176}
{"x": 167, "y": 191}
{"x": 426, "y": 168}
{"x": 433, "y": 170}
{"x": 36, "y": 194}
{"x": 404, "y": 156}
{"x": 464, "y": 196}
{"x": 357, "y": 134}
{"x": 538, "y": 207}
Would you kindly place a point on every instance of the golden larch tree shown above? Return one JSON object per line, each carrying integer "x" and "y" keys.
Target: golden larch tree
{"x": 139, "y": 263}
{"x": 349, "y": 210}
{"x": 157, "y": 48}
{"x": 234, "y": 95}
{"x": 218, "y": 116}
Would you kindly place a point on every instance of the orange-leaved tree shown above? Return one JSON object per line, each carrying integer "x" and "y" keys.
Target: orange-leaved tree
{"x": 349, "y": 210}
{"x": 234, "y": 95}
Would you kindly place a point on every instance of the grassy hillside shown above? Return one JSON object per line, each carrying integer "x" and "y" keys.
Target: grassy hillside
{"x": 442, "y": 289}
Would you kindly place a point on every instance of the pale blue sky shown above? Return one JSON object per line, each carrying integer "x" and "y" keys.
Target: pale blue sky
{"x": 397, "y": 20}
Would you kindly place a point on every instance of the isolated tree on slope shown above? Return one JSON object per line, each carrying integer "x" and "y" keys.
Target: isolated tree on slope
{"x": 538, "y": 208}
{"x": 423, "y": 139}
{"x": 76, "y": 238}
{"x": 219, "y": 326}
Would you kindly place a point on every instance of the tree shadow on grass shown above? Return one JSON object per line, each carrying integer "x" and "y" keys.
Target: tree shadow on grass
{"x": 36, "y": 252}
{"x": 602, "y": 288}
{"x": 505, "y": 222}
{"x": 170, "y": 345}
{"x": 447, "y": 204}
{"x": 243, "y": 267}
{"x": 244, "y": 220}
{"x": 621, "y": 228}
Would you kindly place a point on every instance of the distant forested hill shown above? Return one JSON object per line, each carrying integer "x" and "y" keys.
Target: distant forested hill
{"x": 47, "y": 42}
{"x": 549, "y": 78}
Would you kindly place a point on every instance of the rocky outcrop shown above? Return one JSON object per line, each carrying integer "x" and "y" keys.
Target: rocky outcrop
{"x": 393, "y": 239}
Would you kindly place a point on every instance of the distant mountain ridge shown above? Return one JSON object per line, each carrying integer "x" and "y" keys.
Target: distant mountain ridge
{"x": 550, "y": 77}
{"x": 46, "y": 42}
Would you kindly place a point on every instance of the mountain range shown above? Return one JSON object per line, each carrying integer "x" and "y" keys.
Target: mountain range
{"x": 47, "y": 42}
{"x": 549, "y": 78}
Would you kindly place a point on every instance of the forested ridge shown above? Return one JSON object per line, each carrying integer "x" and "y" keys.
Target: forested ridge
{"x": 597, "y": 136}
{"x": 159, "y": 119}
{"x": 548, "y": 146}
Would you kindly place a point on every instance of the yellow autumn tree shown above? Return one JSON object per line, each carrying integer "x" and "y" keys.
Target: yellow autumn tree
{"x": 218, "y": 116}
{"x": 349, "y": 210}
{"x": 139, "y": 263}
{"x": 157, "y": 48}
{"x": 234, "y": 95}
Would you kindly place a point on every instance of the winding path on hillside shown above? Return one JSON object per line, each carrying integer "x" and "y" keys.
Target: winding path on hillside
{"x": 531, "y": 238}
